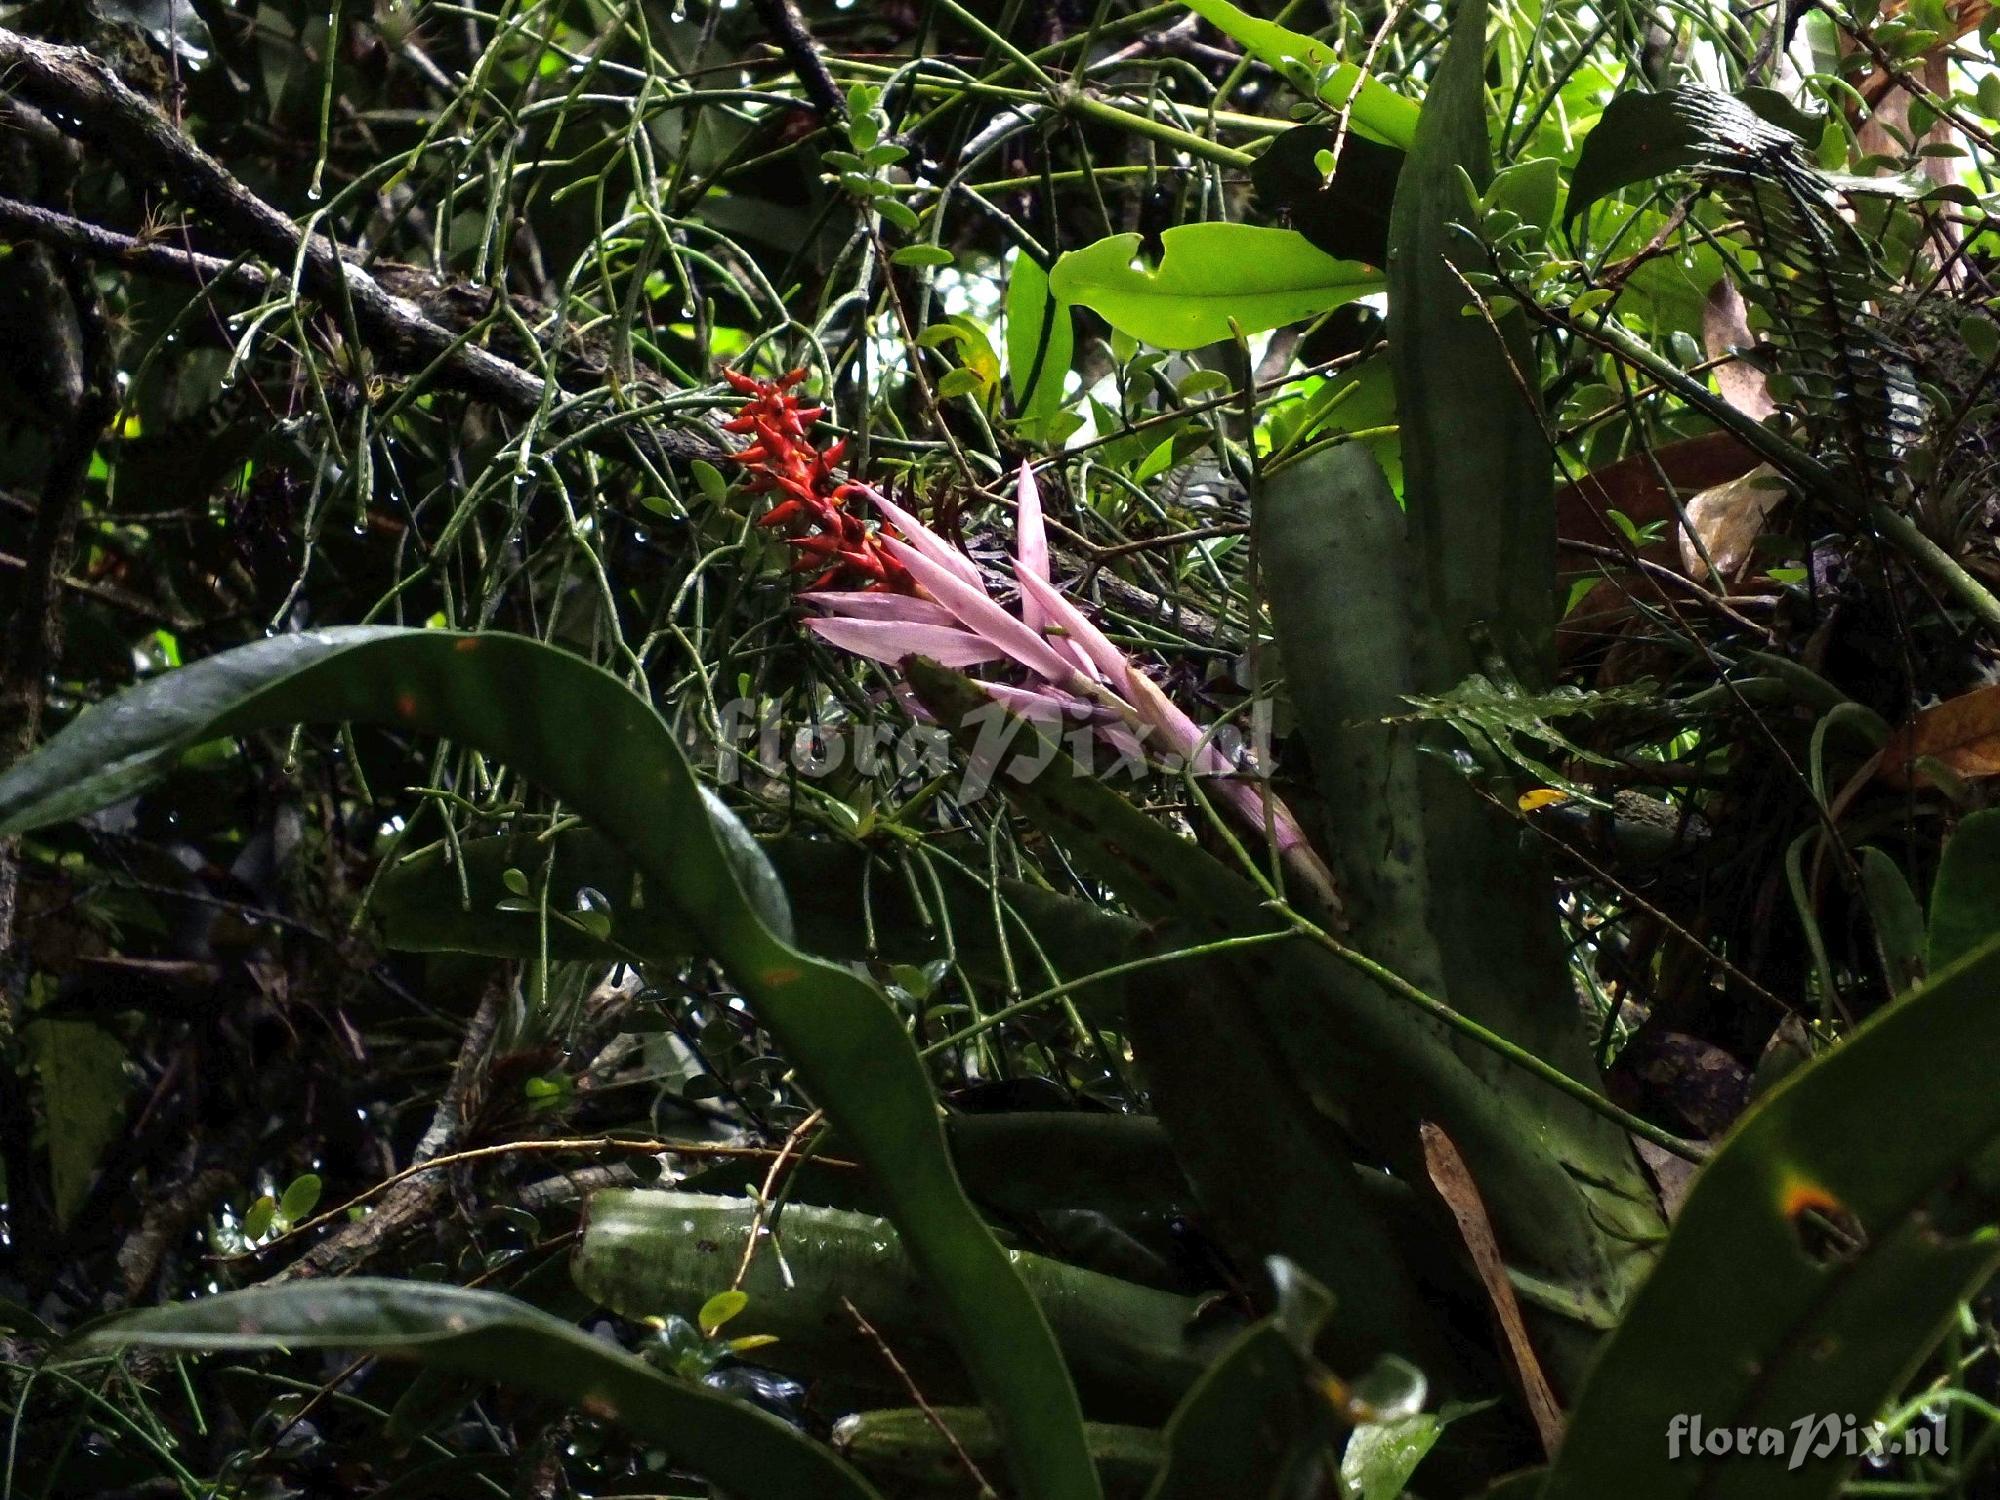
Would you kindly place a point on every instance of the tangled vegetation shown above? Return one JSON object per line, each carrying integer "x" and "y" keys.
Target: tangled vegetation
{"x": 1060, "y": 749}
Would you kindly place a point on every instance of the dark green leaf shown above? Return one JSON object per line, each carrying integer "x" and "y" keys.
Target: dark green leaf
{"x": 646, "y": 1253}
{"x": 1965, "y": 902}
{"x": 494, "y": 1337}
{"x": 1818, "y": 1258}
{"x": 522, "y": 701}
{"x": 1347, "y": 216}
{"x": 1641, "y": 136}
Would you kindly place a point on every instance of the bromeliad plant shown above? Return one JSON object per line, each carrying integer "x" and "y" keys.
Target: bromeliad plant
{"x": 909, "y": 593}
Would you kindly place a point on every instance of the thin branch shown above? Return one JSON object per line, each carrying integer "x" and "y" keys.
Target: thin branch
{"x": 93, "y": 103}
{"x": 788, "y": 29}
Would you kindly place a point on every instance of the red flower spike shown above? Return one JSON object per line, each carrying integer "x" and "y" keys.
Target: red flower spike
{"x": 781, "y": 458}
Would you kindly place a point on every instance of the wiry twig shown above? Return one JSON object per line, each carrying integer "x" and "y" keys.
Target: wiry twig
{"x": 100, "y": 109}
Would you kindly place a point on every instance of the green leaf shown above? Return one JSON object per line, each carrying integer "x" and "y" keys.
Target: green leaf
{"x": 719, "y": 1309}
{"x": 901, "y": 1449}
{"x": 1481, "y": 537}
{"x": 258, "y": 1221}
{"x": 898, "y": 213}
{"x": 1380, "y": 1457}
{"x": 709, "y": 480}
{"x": 1340, "y": 1058}
{"x": 648, "y": 1252}
{"x": 1896, "y": 918}
{"x": 1339, "y": 578}
{"x": 960, "y": 382}
{"x": 1965, "y": 902}
{"x": 301, "y": 1197}
{"x": 1376, "y": 108}
{"x": 1212, "y": 279}
{"x": 1346, "y": 213}
{"x": 1817, "y": 1260}
{"x": 1641, "y": 136}
{"x": 493, "y": 1337}
{"x": 1041, "y": 340}
{"x": 520, "y": 701}
{"x": 922, "y": 255}
{"x": 1527, "y": 189}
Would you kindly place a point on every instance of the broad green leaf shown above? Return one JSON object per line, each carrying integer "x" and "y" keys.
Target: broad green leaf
{"x": 300, "y": 1198}
{"x": 1041, "y": 340}
{"x": 649, "y": 1253}
{"x": 1212, "y": 279}
{"x": 901, "y": 1449}
{"x": 1380, "y": 1457}
{"x": 494, "y": 1337}
{"x": 1965, "y": 901}
{"x": 1817, "y": 1260}
{"x": 720, "y": 1308}
{"x": 522, "y": 702}
{"x": 1375, "y": 107}
{"x": 1528, "y": 190}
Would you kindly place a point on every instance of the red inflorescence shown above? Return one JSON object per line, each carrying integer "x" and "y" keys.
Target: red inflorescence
{"x": 810, "y": 501}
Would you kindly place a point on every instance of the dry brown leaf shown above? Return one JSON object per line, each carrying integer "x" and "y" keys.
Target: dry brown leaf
{"x": 1453, "y": 1180}
{"x": 1962, "y": 734}
{"x": 1728, "y": 519}
{"x": 1725, "y": 329}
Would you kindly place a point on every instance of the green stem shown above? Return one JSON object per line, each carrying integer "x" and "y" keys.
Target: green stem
{"x": 1116, "y": 971}
{"x": 1940, "y": 564}
{"x": 1158, "y": 130}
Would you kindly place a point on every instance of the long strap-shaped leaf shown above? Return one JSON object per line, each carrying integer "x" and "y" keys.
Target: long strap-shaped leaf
{"x": 495, "y": 1337}
{"x": 578, "y": 732}
{"x": 1481, "y": 547}
{"x": 1331, "y": 537}
{"x": 1816, "y": 1262}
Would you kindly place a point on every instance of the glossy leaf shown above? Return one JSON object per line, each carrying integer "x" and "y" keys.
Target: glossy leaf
{"x": 1965, "y": 901}
{"x": 1212, "y": 280}
{"x": 1817, "y": 1259}
{"x": 648, "y": 1253}
{"x": 1373, "y": 106}
{"x": 1643, "y": 135}
{"x": 1041, "y": 340}
{"x": 1346, "y": 215}
{"x": 494, "y": 1337}
{"x": 521, "y": 702}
